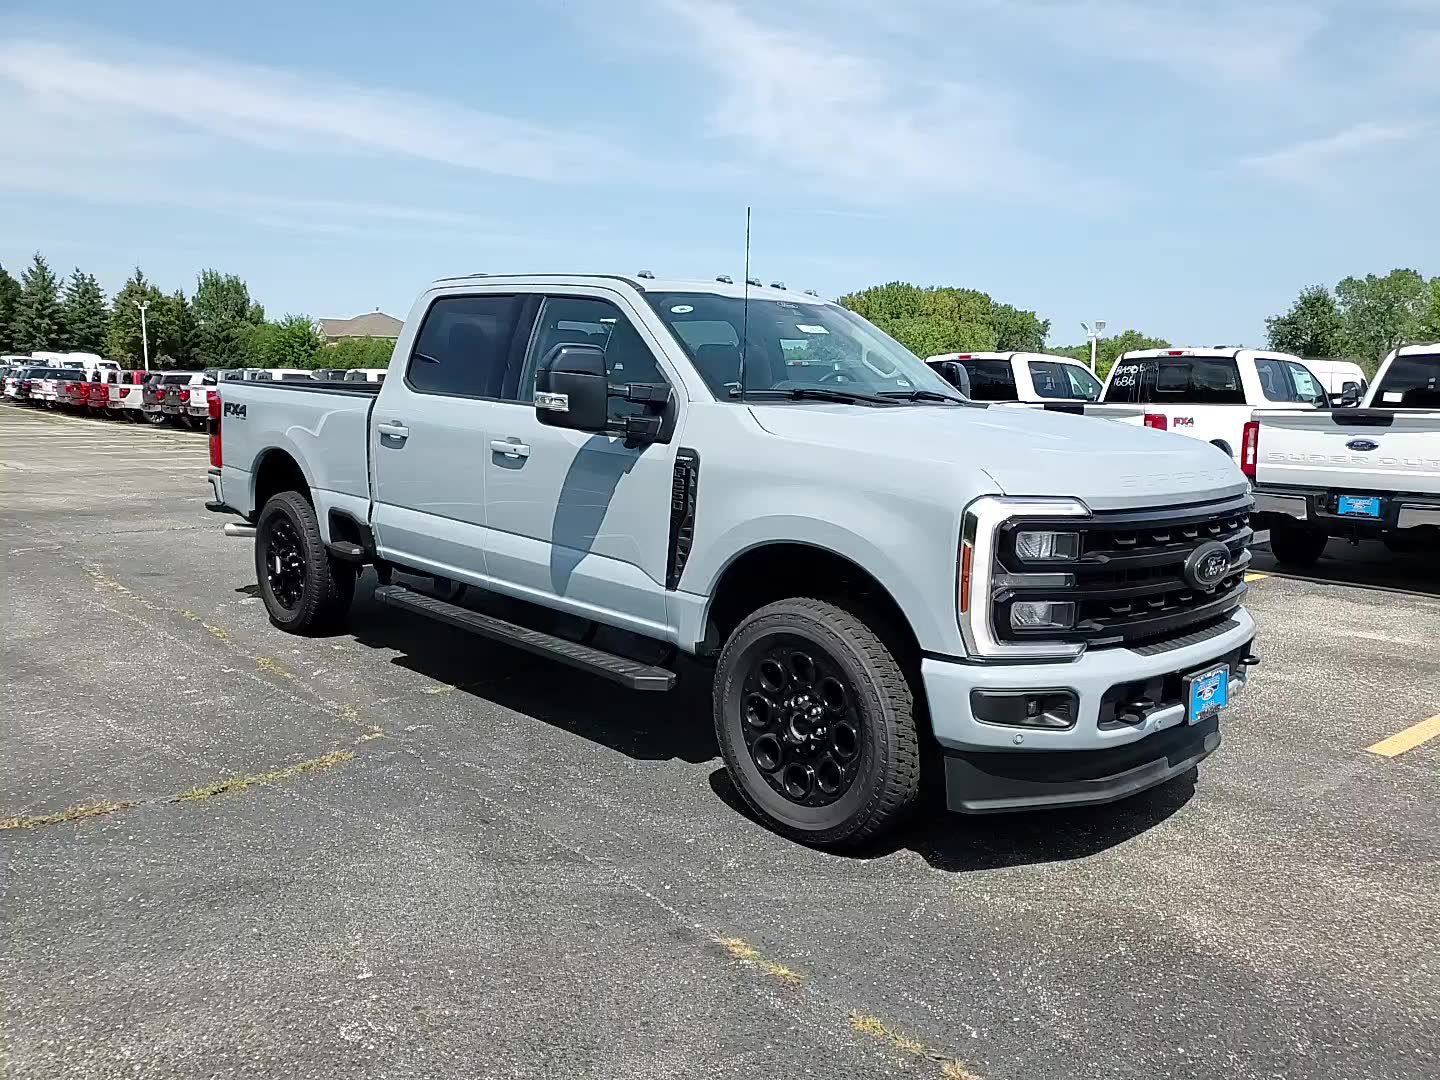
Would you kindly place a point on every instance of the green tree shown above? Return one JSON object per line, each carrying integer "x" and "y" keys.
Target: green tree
{"x": 1110, "y": 349}
{"x": 39, "y": 317}
{"x": 289, "y": 342}
{"x": 942, "y": 319}
{"x": 225, "y": 318}
{"x": 123, "y": 336}
{"x": 1381, "y": 312}
{"x": 1430, "y": 325}
{"x": 9, "y": 299}
{"x": 86, "y": 316}
{"x": 356, "y": 353}
{"x": 1312, "y": 326}
{"x": 172, "y": 329}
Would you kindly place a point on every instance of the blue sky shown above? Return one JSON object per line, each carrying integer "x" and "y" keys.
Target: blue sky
{"x": 1181, "y": 167}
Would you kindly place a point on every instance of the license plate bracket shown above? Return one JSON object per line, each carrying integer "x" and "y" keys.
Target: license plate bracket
{"x": 1358, "y": 506}
{"x": 1206, "y": 693}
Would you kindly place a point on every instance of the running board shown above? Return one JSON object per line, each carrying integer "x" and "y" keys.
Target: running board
{"x": 618, "y": 669}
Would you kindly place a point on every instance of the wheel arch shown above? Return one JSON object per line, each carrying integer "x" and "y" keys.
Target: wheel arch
{"x": 277, "y": 470}
{"x": 777, "y": 570}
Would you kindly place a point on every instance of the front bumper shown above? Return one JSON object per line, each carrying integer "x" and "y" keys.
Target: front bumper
{"x": 1316, "y": 507}
{"x": 992, "y": 767}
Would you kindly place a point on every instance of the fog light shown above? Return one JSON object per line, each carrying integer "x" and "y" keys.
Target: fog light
{"x": 1042, "y": 615}
{"x": 1047, "y": 545}
{"x": 1053, "y": 709}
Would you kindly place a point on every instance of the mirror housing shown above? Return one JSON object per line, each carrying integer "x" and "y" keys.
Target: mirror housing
{"x": 571, "y": 388}
{"x": 1348, "y": 398}
{"x": 955, "y": 374}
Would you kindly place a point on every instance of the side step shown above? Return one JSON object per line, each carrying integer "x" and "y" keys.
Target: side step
{"x": 631, "y": 673}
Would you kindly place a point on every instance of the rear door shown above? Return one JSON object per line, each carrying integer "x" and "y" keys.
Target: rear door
{"x": 429, "y": 448}
{"x": 576, "y": 520}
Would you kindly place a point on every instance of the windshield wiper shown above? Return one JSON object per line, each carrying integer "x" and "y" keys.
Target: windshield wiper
{"x": 814, "y": 393}
{"x": 923, "y": 395}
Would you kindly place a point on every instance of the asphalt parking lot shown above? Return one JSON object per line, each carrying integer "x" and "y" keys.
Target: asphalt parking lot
{"x": 404, "y": 852}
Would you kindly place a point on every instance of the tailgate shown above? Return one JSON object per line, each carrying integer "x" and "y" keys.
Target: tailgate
{"x": 1361, "y": 449}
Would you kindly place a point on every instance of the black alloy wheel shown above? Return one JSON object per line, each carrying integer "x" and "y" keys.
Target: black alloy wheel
{"x": 285, "y": 564}
{"x": 801, "y": 728}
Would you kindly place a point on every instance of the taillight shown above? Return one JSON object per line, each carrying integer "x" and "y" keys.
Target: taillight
{"x": 124, "y": 391}
{"x": 217, "y": 455}
{"x": 1159, "y": 421}
{"x": 1250, "y": 448}
{"x": 184, "y": 396}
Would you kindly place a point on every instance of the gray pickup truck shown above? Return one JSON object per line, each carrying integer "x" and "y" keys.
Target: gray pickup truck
{"x": 881, "y": 571}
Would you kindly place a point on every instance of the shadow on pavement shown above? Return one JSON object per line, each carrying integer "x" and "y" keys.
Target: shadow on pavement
{"x": 1368, "y": 564}
{"x": 963, "y": 843}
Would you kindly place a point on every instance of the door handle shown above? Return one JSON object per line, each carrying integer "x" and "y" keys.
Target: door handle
{"x": 509, "y": 448}
{"x": 393, "y": 428}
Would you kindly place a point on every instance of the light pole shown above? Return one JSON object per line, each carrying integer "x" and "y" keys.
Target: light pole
{"x": 145, "y": 332}
{"x": 1094, "y": 336}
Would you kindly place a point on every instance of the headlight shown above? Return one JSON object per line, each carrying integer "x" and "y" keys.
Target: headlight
{"x": 979, "y": 576}
{"x": 1047, "y": 545}
{"x": 1042, "y": 614}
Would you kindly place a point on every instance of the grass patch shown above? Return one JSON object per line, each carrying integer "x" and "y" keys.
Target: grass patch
{"x": 72, "y": 813}
{"x": 747, "y": 954}
{"x": 949, "y": 1068}
{"x": 240, "y": 783}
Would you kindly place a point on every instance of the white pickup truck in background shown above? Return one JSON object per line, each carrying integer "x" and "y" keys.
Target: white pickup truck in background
{"x": 1209, "y": 394}
{"x": 1366, "y": 473}
{"x": 1027, "y": 380}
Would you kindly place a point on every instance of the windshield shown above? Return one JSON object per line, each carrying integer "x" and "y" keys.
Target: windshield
{"x": 1413, "y": 382}
{"x": 791, "y": 346}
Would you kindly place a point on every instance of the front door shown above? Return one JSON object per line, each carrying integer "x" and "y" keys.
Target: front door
{"x": 429, "y": 433}
{"x": 575, "y": 520}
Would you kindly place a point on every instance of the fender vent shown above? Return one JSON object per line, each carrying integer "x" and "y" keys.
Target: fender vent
{"x": 683, "y": 487}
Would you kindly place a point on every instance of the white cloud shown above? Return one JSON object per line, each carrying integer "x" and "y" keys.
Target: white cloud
{"x": 281, "y": 111}
{"x": 808, "y": 107}
{"x": 1310, "y": 161}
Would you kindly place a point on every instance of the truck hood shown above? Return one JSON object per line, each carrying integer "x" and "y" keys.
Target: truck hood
{"x": 1024, "y": 452}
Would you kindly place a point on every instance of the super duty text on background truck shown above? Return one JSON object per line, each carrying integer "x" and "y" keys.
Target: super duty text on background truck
{"x": 878, "y": 567}
{"x": 1366, "y": 473}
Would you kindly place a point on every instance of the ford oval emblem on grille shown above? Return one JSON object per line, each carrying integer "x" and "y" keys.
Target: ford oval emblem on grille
{"x": 1207, "y": 566}
{"x": 1362, "y": 444}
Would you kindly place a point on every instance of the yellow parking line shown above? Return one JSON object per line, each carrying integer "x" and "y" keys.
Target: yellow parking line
{"x": 1255, "y": 575}
{"x": 1408, "y": 739}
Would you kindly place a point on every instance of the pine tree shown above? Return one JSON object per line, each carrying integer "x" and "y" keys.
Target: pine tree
{"x": 123, "y": 340}
{"x": 86, "y": 316}
{"x": 39, "y": 316}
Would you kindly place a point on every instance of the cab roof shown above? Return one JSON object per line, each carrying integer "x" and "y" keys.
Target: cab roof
{"x": 642, "y": 284}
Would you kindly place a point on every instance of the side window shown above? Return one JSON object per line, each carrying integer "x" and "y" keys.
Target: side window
{"x": 583, "y": 320}
{"x": 1274, "y": 382}
{"x": 1307, "y": 387}
{"x": 1049, "y": 379}
{"x": 463, "y": 347}
{"x": 1082, "y": 383}
{"x": 991, "y": 380}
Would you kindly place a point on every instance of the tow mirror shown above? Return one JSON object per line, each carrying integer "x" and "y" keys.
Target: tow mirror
{"x": 955, "y": 374}
{"x": 1348, "y": 397}
{"x": 571, "y": 389}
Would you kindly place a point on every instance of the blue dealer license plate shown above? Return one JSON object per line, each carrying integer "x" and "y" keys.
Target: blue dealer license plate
{"x": 1359, "y": 506}
{"x": 1206, "y": 693}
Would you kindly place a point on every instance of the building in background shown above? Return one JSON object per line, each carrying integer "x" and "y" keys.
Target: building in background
{"x": 373, "y": 324}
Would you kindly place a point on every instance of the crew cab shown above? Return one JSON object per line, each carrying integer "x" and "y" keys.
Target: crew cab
{"x": 877, "y": 567}
{"x": 1367, "y": 473}
{"x": 1035, "y": 378}
{"x": 1209, "y": 394}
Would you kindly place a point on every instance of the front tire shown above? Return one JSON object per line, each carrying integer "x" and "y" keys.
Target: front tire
{"x": 1297, "y": 547}
{"x": 816, "y": 722}
{"x": 305, "y": 591}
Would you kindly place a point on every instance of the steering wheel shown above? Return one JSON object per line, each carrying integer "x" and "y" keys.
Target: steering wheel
{"x": 833, "y": 377}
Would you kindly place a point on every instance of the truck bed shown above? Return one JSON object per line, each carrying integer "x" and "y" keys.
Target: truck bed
{"x": 323, "y": 425}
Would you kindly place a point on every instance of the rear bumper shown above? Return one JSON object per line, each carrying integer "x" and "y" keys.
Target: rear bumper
{"x": 1316, "y": 507}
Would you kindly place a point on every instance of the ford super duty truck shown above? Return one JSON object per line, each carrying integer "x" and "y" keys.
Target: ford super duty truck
{"x": 879, "y": 569}
{"x": 1366, "y": 473}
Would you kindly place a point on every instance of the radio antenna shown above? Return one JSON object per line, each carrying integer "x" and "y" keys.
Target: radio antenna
{"x": 745, "y": 307}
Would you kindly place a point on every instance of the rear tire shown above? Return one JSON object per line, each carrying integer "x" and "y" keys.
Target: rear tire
{"x": 1297, "y": 546}
{"x": 816, "y": 722}
{"x": 305, "y": 591}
